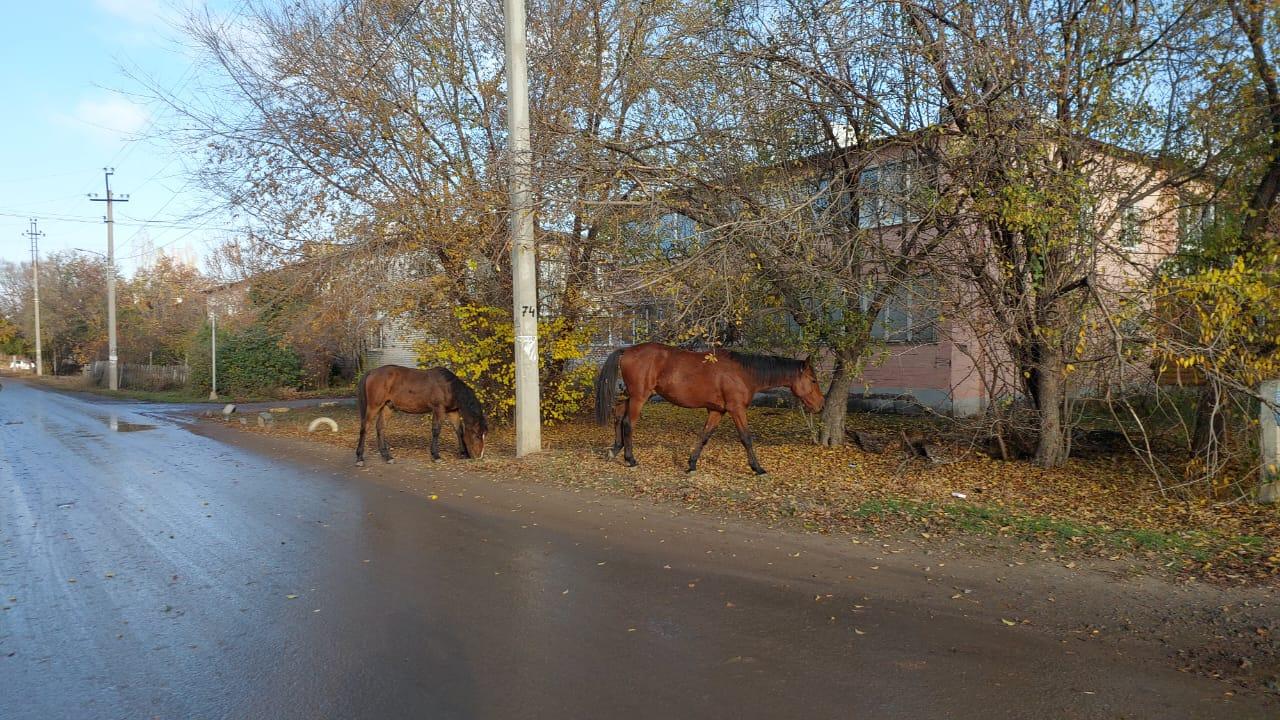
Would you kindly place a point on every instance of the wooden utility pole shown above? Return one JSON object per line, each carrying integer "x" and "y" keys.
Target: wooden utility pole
{"x": 34, "y": 233}
{"x": 524, "y": 280}
{"x": 112, "y": 359}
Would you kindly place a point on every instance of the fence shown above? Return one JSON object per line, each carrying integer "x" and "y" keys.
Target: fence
{"x": 140, "y": 377}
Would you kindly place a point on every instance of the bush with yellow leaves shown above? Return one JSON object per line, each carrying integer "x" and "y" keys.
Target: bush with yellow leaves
{"x": 482, "y": 352}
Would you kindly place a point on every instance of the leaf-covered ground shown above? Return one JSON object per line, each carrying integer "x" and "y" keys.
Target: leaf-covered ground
{"x": 1105, "y": 506}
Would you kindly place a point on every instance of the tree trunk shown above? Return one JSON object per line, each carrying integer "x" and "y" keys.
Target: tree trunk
{"x": 1209, "y": 432}
{"x": 837, "y": 404}
{"x": 1050, "y": 396}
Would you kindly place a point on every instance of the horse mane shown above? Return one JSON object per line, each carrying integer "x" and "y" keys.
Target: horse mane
{"x": 468, "y": 404}
{"x": 769, "y": 368}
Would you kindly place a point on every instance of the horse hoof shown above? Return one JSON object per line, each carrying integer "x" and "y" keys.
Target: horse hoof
{"x": 359, "y": 463}
{"x": 632, "y": 463}
{"x": 761, "y": 472}
{"x": 611, "y": 453}
{"x": 391, "y": 461}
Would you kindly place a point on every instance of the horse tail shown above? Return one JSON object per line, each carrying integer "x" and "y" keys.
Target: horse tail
{"x": 607, "y": 387}
{"x": 361, "y": 400}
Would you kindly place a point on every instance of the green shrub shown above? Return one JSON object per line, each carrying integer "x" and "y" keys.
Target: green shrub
{"x": 251, "y": 361}
{"x": 483, "y": 354}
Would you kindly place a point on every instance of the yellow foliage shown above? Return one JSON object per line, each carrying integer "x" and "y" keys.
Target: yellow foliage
{"x": 1228, "y": 318}
{"x": 483, "y": 354}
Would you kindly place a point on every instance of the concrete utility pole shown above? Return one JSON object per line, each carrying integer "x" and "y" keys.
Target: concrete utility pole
{"x": 112, "y": 359}
{"x": 524, "y": 279}
{"x": 34, "y": 233}
{"x": 1269, "y": 424}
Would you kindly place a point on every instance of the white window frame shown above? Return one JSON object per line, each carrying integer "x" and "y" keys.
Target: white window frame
{"x": 913, "y": 328}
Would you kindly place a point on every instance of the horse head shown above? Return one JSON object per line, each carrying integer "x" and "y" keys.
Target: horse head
{"x": 805, "y": 386}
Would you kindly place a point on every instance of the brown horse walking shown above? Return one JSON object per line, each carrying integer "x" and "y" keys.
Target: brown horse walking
{"x": 437, "y": 391}
{"x": 719, "y": 380}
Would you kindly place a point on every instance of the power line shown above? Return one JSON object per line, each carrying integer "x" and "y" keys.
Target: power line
{"x": 128, "y": 146}
{"x": 90, "y": 220}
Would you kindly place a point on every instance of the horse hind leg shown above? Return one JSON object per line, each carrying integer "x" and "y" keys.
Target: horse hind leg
{"x": 364, "y": 424}
{"x": 627, "y": 425}
{"x": 364, "y": 429}
{"x": 384, "y": 448}
{"x": 619, "y": 412}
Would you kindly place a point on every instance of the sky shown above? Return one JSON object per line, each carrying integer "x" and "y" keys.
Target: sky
{"x": 73, "y": 109}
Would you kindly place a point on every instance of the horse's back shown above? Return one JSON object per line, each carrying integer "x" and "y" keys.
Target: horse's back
{"x": 688, "y": 378}
{"x": 407, "y": 389}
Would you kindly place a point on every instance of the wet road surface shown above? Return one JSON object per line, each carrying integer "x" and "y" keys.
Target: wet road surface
{"x": 149, "y": 571}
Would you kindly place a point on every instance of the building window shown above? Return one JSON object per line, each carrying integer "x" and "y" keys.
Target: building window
{"x": 909, "y": 315}
{"x": 884, "y": 195}
{"x": 1130, "y": 228}
{"x": 1193, "y": 222}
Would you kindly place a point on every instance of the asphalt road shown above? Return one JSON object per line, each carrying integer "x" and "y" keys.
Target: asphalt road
{"x": 150, "y": 571}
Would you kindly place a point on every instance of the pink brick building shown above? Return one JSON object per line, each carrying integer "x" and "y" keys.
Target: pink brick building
{"x": 938, "y": 353}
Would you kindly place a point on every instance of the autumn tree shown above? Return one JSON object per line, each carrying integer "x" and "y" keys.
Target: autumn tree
{"x": 157, "y": 311}
{"x": 1224, "y": 282}
{"x": 73, "y": 292}
{"x": 12, "y": 341}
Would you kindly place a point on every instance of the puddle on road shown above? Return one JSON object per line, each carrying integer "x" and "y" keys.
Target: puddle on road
{"x": 118, "y": 425}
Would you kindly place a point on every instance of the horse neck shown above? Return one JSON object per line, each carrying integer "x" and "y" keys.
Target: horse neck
{"x": 758, "y": 383}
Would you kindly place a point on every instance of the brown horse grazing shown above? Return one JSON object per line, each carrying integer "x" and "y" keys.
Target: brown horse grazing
{"x": 437, "y": 391}
{"x": 719, "y": 380}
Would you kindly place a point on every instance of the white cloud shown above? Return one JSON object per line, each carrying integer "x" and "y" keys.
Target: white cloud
{"x": 111, "y": 117}
{"x": 139, "y": 12}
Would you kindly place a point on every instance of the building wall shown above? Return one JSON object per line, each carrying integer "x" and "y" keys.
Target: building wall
{"x": 909, "y": 378}
{"x": 393, "y": 341}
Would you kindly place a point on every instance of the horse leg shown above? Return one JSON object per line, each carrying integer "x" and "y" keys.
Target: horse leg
{"x": 383, "y": 447}
{"x": 360, "y": 443}
{"x": 713, "y": 421}
{"x": 364, "y": 428}
{"x": 435, "y": 434}
{"x": 740, "y": 420}
{"x": 627, "y": 424}
{"x": 455, "y": 419}
{"x": 619, "y": 411}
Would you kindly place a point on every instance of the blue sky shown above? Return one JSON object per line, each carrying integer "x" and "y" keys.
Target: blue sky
{"x": 73, "y": 109}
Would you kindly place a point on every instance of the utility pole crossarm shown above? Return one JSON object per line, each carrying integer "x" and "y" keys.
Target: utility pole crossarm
{"x": 113, "y": 380}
